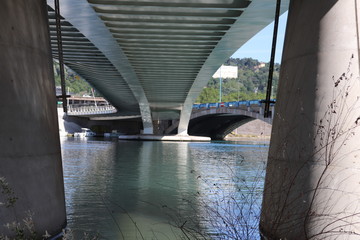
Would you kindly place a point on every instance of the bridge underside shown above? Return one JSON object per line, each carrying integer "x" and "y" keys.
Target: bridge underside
{"x": 217, "y": 126}
{"x": 153, "y": 58}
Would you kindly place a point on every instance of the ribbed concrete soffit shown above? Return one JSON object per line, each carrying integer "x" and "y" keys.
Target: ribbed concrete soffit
{"x": 84, "y": 58}
{"x": 165, "y": 50}
{"x": 167, "y": 42}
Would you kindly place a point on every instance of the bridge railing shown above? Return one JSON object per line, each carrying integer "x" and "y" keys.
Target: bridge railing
{"x": 257, "y": 105}
{"x": 90, "y": 110}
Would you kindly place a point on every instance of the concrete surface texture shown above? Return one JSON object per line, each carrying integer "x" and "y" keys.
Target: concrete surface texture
{"x": 312, "y": 185}
{"x": 30, "y": 157}
{"x": 254, "y": 128}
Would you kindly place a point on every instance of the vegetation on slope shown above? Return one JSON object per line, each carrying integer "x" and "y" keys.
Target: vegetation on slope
{"x": 250, "y": 84}
{"x": 73, "y": 82}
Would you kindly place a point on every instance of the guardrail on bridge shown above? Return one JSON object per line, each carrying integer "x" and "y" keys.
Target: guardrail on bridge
{"x": 90, "y": 110}
{"x": 254, "y": 106}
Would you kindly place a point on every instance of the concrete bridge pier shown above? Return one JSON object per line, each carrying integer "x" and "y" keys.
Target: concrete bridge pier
{"x": 185, "y": 117}
{"x": 30, "y": 157}
{"x": 312, "y": 187}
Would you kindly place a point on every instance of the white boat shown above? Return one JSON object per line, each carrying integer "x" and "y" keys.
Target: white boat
{"x": 113, "y": 134}
{"x": 85, "y": 132}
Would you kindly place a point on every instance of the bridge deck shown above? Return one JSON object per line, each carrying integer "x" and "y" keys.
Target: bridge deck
{"x": 154, "y": 57}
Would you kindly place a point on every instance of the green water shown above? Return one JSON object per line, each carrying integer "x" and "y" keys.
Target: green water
{"x": 163, "y": 190}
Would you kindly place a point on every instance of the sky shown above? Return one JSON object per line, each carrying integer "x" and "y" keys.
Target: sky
{"x": 259, "y": 47}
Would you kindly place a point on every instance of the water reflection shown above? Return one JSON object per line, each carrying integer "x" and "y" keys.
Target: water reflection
{"x": 232, "y": 176}
{"x": 132, "y": 189}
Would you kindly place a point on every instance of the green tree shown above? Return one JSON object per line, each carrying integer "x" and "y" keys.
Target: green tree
{"x": 250, "y": 84}
{"x": 208, "y": 95}
{"x": 73, "y": 82}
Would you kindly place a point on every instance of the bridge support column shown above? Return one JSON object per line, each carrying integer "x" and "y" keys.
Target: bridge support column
{"x": 146, "y": 118}
{"x": 312, "y": 186}
{"x": 185, "y": 119}
{"x": 30, "y": 157}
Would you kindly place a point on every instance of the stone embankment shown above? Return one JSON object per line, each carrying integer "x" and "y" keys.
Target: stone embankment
{"x": 254, "y": 130}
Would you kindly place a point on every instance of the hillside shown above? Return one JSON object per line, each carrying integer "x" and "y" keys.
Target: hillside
{"x": 73, "y": 82}
{"x": 250, "y": 84}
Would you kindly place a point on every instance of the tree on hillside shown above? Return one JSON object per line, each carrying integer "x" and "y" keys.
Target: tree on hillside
{"x": 208, "y": 95}
{"x": 250, "y": 84}
{"x": 73, "y": 82}
{"x": 243, "y": 63}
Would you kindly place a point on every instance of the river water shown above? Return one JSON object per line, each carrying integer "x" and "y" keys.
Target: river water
{"x": 163, "y": 190}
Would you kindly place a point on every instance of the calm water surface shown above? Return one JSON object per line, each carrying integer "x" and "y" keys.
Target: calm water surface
{"x": 148, "y": 190}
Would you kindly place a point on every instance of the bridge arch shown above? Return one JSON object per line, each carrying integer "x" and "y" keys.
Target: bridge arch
{"x": 216, "y": 123}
